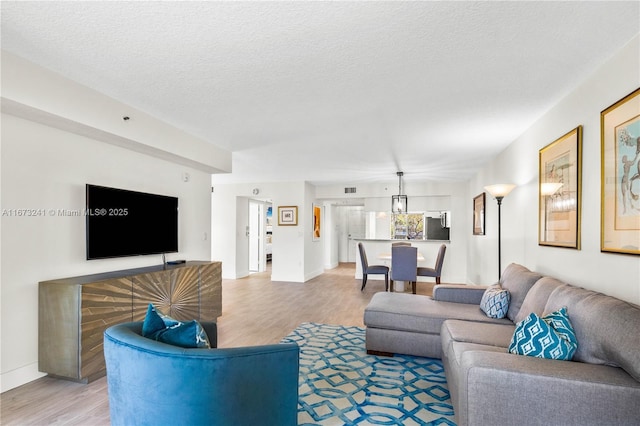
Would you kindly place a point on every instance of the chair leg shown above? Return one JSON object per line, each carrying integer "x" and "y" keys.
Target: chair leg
{"x": 364, "y": 281}
{"x": 413, "y": 286}
{"x": 437, "y": 280}
{"x": 391, "y": 287}
{"x": 386, "y": 282}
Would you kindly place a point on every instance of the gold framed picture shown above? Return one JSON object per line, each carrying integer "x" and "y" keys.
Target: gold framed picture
{"x": 479, "y": 203}
{"x": 317, "y": 215}
{"x": 560, "y": 186}
{"x": 620, "y": 179}
{"x": 287, "y": 215}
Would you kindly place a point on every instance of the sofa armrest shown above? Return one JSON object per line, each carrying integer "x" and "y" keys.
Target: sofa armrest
{"x": 502, "y": 388}
{"x": 459, "y": 293}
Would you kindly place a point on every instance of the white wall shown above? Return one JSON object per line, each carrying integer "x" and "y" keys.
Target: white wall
{"x": 614, "y": 274}
{"x": 229, "y": 204}
{"x": 331, "y": 236}
{"x": 289, "y": 242}
{"x": 47, "y": 168}
{"x": 313, "y": 250}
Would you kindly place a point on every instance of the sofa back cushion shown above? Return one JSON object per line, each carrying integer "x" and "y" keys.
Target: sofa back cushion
{"x": 536, "y": 299}
{"x": 517, "y": 280}
{"x": 606, "y": 328}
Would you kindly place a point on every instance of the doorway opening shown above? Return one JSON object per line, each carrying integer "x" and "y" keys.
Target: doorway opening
{"x": 351, "y": 225}
{"x": 260, "y": 236}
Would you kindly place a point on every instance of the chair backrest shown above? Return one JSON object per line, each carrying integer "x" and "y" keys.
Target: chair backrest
{"x": 404, "y": 263}
{"x": 363, "y": 257}
{"x": 150, "y": 382}
{"x": 401, "y": 243}
{"x": 440, "y": 259}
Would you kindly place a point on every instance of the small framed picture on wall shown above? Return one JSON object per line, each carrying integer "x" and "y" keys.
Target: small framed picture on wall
{"x": 317, "y": 213}
{"x": 287, "y": 215}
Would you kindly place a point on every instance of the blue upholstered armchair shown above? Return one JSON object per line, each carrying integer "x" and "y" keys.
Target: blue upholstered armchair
{"x": 152, "y": 383}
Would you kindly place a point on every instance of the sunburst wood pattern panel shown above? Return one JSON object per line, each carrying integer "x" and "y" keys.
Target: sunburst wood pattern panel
{"x": 104, "y": 304}
{"x": 185, "y": 298}
{"x": 211, "y": 291}
{"x": 151, "y": 288}
{"x": 174, "y": 292}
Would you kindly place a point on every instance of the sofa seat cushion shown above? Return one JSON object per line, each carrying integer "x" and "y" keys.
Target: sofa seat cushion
{"x": 498, "y": 335}
{"x": 606, "y": 328}
{"x": 492, "y": 388}
{"x": 456, "y": 349}
{"x": 419, "y": 314}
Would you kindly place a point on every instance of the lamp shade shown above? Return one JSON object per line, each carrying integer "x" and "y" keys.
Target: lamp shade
{"x": 399, "y": 204}
{"x": 500, "y": 190}
{"x": 549, "y": 188}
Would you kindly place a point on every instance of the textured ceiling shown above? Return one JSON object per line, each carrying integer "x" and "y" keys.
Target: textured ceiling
{"x": 331, "y": 92}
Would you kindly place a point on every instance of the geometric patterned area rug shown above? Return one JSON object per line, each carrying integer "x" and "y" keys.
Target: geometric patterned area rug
{"x": 341, "y": 385}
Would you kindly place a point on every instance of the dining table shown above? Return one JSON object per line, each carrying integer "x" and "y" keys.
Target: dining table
{"x": 387, "y": 257}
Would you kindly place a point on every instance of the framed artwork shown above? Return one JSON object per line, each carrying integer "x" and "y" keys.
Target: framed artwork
{"x": 317, "y": 212}
{"x": 478, "y": 214}
{"x": 620, "y": 180}
{"x": 560, "y": 197}
{"x": 287, "y": 215}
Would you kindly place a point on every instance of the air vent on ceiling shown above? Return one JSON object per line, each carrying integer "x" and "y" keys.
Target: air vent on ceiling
{"x": 351, "y": 190}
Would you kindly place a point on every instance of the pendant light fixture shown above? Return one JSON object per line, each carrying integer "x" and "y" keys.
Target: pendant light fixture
{"x": 399, "y": 202}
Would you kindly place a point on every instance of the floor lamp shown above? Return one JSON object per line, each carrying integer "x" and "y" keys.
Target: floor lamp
{"x": 499, "y": 191}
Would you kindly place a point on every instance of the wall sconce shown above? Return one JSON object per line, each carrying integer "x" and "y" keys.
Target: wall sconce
{"x": 499, "y": 191}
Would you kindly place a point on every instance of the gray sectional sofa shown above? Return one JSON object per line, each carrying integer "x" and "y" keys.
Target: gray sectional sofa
{"x": 489, "y": 385}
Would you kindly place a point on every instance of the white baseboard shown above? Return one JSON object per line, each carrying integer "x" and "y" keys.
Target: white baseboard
{"x": 312, "y": 275}
{"x": 331, "y": 265}
{"x": 20, "y": 376}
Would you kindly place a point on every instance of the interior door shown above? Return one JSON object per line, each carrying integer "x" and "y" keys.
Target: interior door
{"x": 255, "y": 236}
{"x": 356, "y": 226}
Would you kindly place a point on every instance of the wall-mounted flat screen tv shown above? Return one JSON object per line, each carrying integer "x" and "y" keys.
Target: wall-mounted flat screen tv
{"x": 129, "y": 223}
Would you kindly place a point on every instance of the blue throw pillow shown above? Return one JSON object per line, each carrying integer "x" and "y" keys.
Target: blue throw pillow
{"x": 173, "y": 332}
{"x": 152, "y": 322}
{"x": 495, "y": 302}
{"x": 551, "y": 337}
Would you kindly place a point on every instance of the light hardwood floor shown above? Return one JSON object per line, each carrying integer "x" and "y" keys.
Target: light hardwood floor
{"x": 255, "y": 311}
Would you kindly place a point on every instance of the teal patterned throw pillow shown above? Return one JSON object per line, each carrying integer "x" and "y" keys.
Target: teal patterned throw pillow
{"x": 551, "y": 337}
{"x": 173, "y": 332}
{"x": 495, "y": 302}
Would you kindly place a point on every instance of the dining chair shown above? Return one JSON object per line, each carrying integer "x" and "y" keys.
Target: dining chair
{"x": 404, "y": 264}
{"x": 401, "y": 243}
{"x": 436, "y": 271}
{"x": 372, "y": 269}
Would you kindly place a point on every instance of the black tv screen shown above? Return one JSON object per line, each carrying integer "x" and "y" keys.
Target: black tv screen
{"x": 129, "y": 223}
